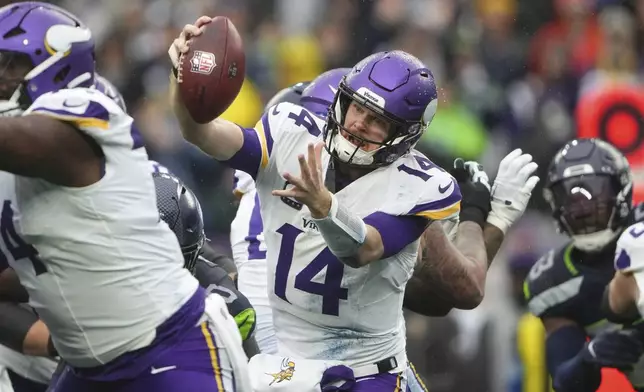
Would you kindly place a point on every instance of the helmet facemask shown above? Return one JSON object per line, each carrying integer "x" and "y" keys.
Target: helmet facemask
{"x": 14, "y": 66}
{"x": 401, "y": 136}
{"x": 191, "y": 253}
{"x": 589, "y": 209}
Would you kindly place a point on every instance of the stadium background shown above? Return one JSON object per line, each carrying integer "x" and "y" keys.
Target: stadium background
{"x": 510, "y": 74}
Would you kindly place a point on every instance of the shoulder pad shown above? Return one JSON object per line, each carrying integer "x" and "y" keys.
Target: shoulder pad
{"x": 552, "y": 282}
{"x": 85, "y": 107}
{"x": 283, "y": 119}
{"x": 436, "y": 193}
{"x": 629, "y": 254}
{"x": 286, "y": 117}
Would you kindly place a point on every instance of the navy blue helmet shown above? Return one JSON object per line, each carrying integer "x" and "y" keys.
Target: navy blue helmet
{"x": 589, "y": 187}
{"x": 180, "y": 209}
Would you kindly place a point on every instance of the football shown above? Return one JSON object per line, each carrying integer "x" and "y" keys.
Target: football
{"x": 211, "y": 73}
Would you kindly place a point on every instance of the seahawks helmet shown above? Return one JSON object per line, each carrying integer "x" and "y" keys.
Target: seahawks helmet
{"x": 180, "y": 209}
{"x": 589, "y": 187}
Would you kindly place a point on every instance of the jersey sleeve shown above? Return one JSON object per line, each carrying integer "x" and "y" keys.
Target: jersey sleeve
{"x": 553, "y": 286}
{"x": 93, "y": 113}
{"x": 439, "y": 198}
{"x": 426, "y": 193}
{"x": 259, "y": 141}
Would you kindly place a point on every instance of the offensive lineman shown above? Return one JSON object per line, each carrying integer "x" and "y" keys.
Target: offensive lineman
{"x": 86, "y": 212}
{"x": 20, "y": 327}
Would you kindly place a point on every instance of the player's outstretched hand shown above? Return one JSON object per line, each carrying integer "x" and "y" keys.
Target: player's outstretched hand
{"x": 181, "y": 44}
{"x": 512, "y": 189}
{"x": 475, "y": 190}
{"x": 309, "y": 188}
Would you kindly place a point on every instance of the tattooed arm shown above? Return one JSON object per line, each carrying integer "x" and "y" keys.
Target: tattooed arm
{"x": 453, "y": 274}
{"x": 443, "y": 279}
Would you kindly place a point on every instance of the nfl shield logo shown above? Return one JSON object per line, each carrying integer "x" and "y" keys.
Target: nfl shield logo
{"x": 202, "y": 62}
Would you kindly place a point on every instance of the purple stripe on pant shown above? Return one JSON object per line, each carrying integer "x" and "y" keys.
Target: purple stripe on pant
{"x": 340, "y": 379}
{"x": 184, "y": 357}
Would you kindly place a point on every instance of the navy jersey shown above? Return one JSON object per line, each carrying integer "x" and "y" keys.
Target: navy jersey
{"x": 215, "y": 279}
{"x": 562, "y": 284}
{"x": 569, "y": 283}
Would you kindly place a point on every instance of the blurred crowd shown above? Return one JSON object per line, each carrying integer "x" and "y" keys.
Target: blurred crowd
{"x": 510, "y": 74}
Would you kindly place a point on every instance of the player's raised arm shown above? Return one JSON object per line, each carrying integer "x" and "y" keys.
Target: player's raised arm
{"x": 456, "y": 271}
{"x": 44, "y": 147}
{"x": 219, "y": 138}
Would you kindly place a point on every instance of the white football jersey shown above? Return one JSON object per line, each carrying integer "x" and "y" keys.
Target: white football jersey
{"x": 246, "y": 230}
{"x": 629, "y": 257}
{"x": 322, "y": 308}
{"x": 249, "y": 252}
{"x": 104, "y": 271}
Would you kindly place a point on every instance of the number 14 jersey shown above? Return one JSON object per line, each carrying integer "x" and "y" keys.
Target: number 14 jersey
{"x": 322, "y": 308}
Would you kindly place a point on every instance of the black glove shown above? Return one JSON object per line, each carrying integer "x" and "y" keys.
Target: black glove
{"x": 475, "y": 202}
{"x": 619, "y": 349}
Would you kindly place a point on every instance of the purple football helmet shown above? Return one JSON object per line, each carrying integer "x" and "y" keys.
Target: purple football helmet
{"x": 290, "y": 94}
{"x": 318, "y": 96}
{"x": 400, "y": 90}
{"x": 43, "y": 48}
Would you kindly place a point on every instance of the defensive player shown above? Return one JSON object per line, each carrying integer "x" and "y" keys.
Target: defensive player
{"x": 75, "y": 149}
{"x": 589, "y": 188}
{"x": 246, "y": 230}
{"x": 322, "y": 309}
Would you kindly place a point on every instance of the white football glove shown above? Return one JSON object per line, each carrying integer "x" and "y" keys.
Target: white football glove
{"x": 512, "y": 189}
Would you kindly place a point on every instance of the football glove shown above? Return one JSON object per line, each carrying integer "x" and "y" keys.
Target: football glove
{"x": 475, "y": 191}
{"x": 619, "y": 349}
{"x": 512, "y": 189}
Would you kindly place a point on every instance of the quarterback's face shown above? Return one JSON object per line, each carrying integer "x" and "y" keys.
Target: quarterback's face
{"x": 365, "y": 128}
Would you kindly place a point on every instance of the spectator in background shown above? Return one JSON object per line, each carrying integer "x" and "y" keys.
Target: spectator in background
{"x": 576, "y": 27}
{"x": 617, "y": 61}
{"x": 455, "y": 131}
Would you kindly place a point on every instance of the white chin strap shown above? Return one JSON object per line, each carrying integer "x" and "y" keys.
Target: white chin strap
{"x": 346, "y": 151}
{"x": 594, "y": 242}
